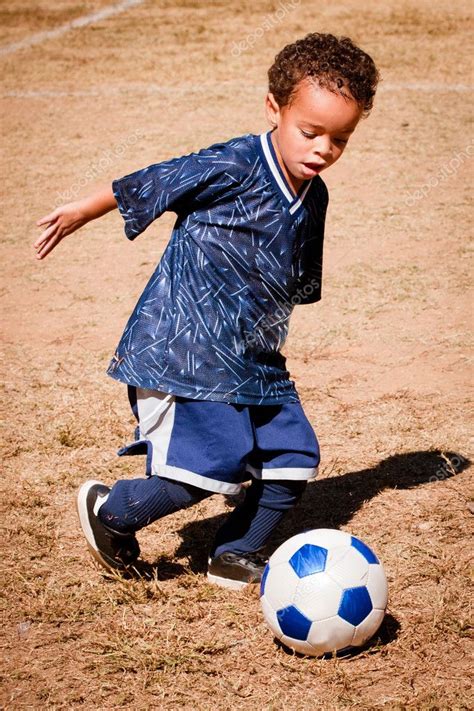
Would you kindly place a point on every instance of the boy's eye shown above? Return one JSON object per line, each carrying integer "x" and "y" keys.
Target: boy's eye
{"x": 309, "y": 135}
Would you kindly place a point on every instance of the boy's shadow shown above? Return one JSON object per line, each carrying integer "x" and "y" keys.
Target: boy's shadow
{"x": 326, "y": 503}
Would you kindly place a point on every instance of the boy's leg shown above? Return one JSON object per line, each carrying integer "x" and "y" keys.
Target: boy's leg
{"x": 188, "y": 458}
{"x": 247, "y": 529}
{"x": 136, "y": 503}
{"x": 112, "y": 549}
{"x": 285, "y": 456}
{"x": 110, "y": 517}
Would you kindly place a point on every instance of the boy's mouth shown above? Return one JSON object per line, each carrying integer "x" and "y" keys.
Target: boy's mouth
{"x": 314, "y": 167}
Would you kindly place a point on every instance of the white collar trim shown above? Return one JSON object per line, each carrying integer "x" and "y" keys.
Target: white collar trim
{"x": 295, "y": 201}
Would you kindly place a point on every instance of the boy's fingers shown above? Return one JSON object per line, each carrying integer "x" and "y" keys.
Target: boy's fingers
{"x": 47, "y": 248}
{"x": 44, "y": 236}
{"x": 46, "y": 245}
{"x": 47, "y": 218}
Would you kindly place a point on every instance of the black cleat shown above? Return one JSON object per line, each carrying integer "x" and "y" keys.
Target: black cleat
{"x": 112, "y": 549}
{"x": 236, "y": 570}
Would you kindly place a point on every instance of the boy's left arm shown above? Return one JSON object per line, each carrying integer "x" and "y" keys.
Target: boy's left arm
{"x": 307, "y": 288}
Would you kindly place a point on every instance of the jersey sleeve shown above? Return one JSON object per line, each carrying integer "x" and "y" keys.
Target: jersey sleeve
{"x": 179, "y": 185}
{"x": 307, "y": 288}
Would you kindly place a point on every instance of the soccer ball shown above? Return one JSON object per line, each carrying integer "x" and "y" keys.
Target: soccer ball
{"x": 323, "y": 591}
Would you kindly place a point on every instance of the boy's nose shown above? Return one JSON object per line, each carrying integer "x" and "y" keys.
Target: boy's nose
{"x": 323, "y": 146}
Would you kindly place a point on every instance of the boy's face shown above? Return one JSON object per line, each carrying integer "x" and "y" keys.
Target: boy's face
{"x": 312, "y": 131}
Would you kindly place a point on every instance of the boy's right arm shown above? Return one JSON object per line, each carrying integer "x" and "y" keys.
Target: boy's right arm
{"x": 68, "y": 218}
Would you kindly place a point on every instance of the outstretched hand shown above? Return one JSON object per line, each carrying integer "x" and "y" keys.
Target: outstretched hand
{"x": 61, "y": 222}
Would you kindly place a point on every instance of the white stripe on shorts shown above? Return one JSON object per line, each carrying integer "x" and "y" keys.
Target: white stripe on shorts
{"x": 293, "y": 473}
{"x": 156, "y": 419}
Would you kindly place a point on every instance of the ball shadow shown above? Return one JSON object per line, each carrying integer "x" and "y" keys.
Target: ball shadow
{"x": 387, "y": 632}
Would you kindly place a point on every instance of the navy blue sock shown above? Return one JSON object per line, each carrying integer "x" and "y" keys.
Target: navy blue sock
{"x": 133, "y": 504}
{"x": 251, "y": 524}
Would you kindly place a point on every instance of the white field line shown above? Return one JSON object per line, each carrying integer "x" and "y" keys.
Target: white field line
{"x": 72, "y": 25}
{"x": 428, "y": 87}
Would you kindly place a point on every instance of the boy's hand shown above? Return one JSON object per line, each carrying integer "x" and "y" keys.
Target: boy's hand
{"x": 71, "y": 216}
{"x": 61, "y": 222}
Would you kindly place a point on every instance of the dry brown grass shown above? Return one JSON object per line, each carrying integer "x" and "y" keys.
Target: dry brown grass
{"x": 381, "y": 364}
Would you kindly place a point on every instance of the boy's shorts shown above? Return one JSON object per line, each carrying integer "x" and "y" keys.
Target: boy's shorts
{"x": 217, "y": 445}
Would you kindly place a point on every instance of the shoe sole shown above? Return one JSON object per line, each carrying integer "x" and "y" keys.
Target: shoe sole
{"x": 83, "y": 513}
{"x": 227, "y": 582}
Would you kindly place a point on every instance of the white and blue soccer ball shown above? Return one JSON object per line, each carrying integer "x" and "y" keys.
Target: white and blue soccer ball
{"x": 323, "y": 591}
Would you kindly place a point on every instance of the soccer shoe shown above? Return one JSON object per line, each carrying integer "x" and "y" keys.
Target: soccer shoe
{"x": 235, "y": 570}
{"x": 112, "y": 549}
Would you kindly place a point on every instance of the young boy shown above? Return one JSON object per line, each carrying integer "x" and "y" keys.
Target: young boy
{"x": 201, "y": 351}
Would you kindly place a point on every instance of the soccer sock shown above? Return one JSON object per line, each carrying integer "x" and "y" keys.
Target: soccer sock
{"x": 251, "y": 524}
{"x": 133, "y": 504}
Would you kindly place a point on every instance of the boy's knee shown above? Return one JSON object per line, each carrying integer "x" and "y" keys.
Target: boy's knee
{"x": 281, "y": 495}
{"x": 183, "y": 495}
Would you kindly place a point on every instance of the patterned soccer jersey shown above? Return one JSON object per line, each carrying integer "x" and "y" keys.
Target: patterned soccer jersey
{"x": 244, "y": 250}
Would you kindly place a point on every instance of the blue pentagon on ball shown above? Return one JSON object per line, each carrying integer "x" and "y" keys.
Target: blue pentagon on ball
{"x": 367, "y": 552}
{"x": 308, "y": 559}
{"x": 293, "y": 623}
{"x": 355, "y": 605}
{"x": 264, "y": 578}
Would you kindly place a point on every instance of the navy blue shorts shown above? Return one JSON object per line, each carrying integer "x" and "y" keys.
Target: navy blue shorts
{"x": 218, "y": 445}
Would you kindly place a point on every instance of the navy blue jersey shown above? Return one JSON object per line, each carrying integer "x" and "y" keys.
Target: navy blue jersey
{"x": 244, "y": 251}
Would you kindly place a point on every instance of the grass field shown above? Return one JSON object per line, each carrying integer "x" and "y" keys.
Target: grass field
{"x": 382, "y": 363}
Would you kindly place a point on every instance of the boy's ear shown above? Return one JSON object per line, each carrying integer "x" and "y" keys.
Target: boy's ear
{"x": 272, "y": 110}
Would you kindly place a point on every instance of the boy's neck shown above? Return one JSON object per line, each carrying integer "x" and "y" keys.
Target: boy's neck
{"x": 294, "y": 183}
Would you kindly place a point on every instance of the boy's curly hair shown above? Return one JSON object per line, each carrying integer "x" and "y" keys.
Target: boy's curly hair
{"x": 336, "y": 63}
